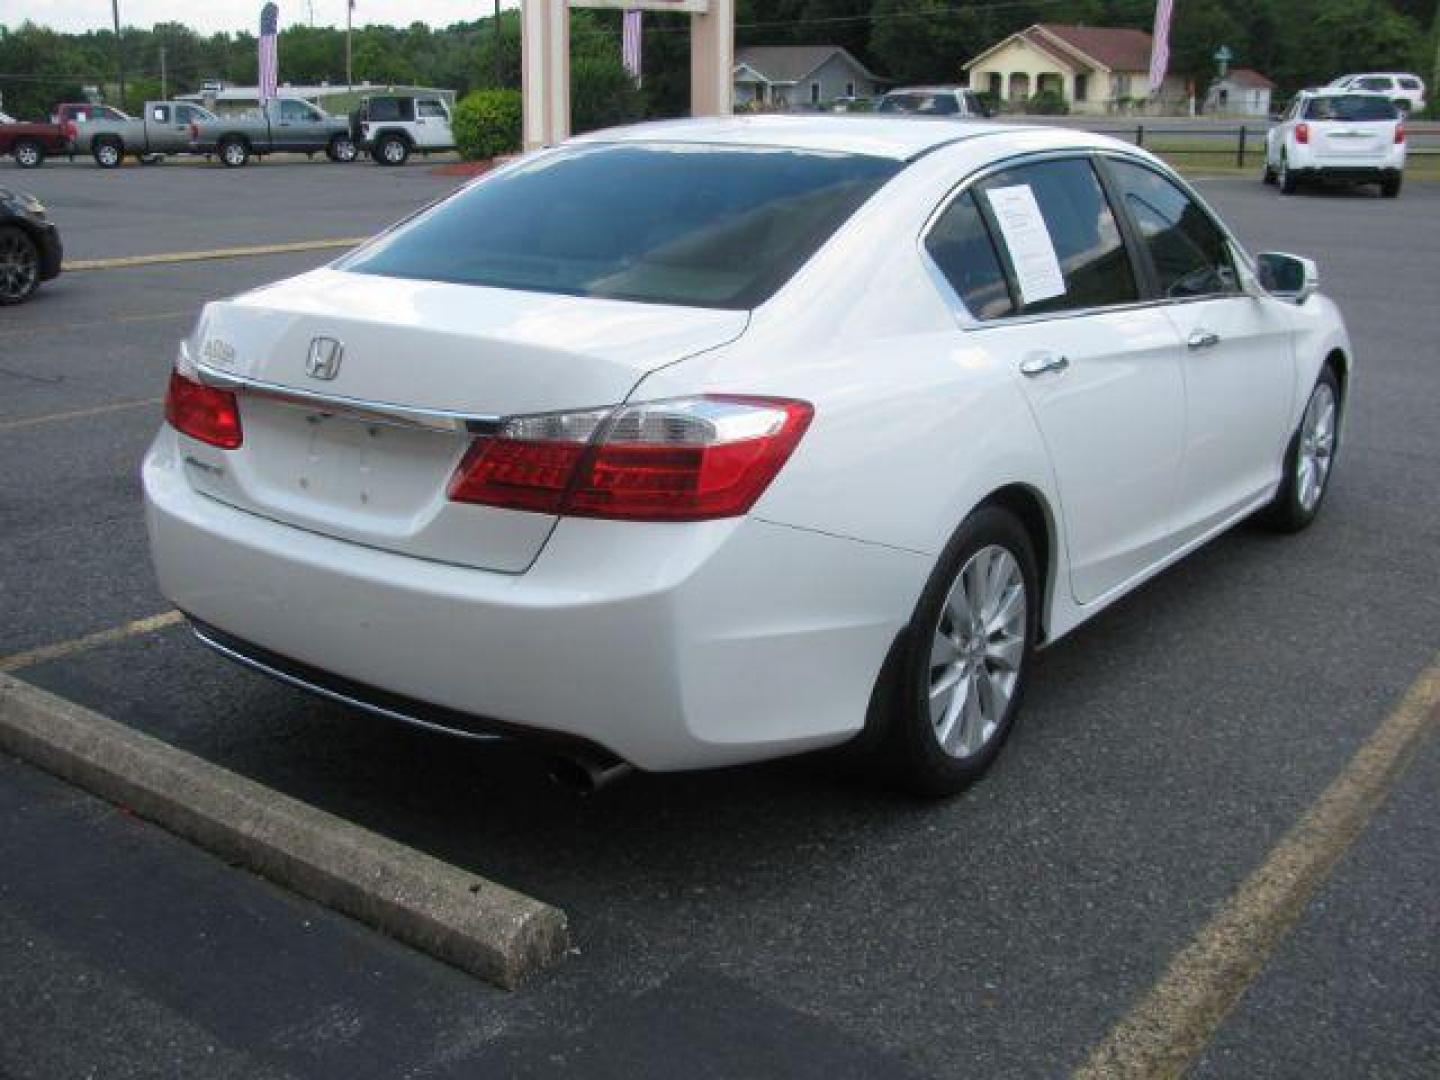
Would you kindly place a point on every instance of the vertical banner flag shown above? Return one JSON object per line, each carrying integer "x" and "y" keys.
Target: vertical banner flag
{"x": 269, "y": 55}
{"x": 630, "y": 44}
{"x": 1160, "y": 45}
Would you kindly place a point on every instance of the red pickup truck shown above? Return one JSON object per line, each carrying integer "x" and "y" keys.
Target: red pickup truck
{"x": 30, "y": 143}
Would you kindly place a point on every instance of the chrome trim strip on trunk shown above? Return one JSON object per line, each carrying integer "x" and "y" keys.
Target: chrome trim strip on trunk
{"x": 375, "y": 412}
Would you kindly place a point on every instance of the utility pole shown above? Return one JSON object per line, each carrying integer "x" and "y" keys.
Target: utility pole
{"x": 349, "y": 53}
{"x": 119, "y": 52}
{"x": 164, "y": 77}
{"x": 499, "y": 48}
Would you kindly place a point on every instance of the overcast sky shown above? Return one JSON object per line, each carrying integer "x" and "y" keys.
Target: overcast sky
{"x": 207, "y": 16}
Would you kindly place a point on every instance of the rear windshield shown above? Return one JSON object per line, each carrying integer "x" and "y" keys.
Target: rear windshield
{"x": 942, "y": 104}
{"x": 1351, "y": 107}
{"x": 700, "y": 226}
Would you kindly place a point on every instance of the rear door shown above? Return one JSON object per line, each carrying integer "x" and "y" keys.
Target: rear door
{"x": 1099, "y": 368}
{"x": 1238, "y": 363}
{"x": 301, "y": 127}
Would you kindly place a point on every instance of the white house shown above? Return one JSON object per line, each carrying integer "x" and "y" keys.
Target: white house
{"x": 800, "y": 75}
{"x": 1096, "y": 69}
{"x": 1243, "y": 92}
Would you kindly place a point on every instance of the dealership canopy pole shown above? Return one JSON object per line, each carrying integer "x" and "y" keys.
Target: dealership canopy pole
{"x": 545, "y": 60}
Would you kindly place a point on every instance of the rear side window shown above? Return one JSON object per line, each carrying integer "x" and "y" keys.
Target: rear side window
{"x": 1187, "y": 248}
{"x": 1353, "y": 108}
{"x": 702, "y": 226}
{"x": 1378, "y": 83}
{"x": 961, "y": 245}
{"x": 1410, "y": 84}
{"x": 432, "y": 109}
{"x": 1072, "y": 256}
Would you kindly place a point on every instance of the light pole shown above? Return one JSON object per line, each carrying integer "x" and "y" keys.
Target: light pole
{"x": 499, "y": 45}
{"x": 119, "y": 52}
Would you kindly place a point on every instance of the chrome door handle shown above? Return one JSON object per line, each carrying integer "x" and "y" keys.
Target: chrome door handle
{"x": 1043, "y": 363}
{"x": 1203, "y": 339}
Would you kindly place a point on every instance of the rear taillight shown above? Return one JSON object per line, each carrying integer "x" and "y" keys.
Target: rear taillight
{"x": 1302, "y": 133}
{"x": 689, "y": 459}
{"x": 1399, "y": 134}
{"x": 202, "y": 412}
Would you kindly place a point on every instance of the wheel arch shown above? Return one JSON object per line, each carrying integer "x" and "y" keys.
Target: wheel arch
{"x": 1034, "y": 512}
{"x": 386, "y": 132}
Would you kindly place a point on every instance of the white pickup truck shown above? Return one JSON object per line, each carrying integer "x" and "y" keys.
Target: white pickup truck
{"x": 393, "y": 126}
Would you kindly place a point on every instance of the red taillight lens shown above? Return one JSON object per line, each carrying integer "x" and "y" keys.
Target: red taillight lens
{"x": 692, "y": 459}
{"x": 202, "y": 412}
{"x": 1302, "y": 133}
{"x": 1399, "y": 133}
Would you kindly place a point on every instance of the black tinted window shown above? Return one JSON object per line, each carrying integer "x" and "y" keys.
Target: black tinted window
{"x": 962, "y": 248}
{"x": 383, "y": 109}
{"x": 691, "y": 225}
{"x": 1189, "y": 252}
{"x": 921, "y": 104}
{"x": 1351, "y": 107}
{"x": 1086, "y": 243}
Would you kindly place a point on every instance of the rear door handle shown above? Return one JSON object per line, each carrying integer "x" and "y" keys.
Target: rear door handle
{"x": 1043, "y": 363}
{"x": 1203, "y": 339}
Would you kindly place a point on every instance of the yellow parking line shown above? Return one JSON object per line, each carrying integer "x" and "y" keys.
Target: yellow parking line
{"x": 214, "y": 253}
{"x": 76, "y": 414}
{"x": 1164, "y": 1032}
{"x": 51, "y": 329}
{"x": 62, "y": 649}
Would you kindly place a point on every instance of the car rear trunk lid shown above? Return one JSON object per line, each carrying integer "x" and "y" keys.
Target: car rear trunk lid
{"x": 359, "y": 395}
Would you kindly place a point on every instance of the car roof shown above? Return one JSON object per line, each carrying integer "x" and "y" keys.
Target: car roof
{"x": 946, "y": 89}
{"x": 901, "y": 138}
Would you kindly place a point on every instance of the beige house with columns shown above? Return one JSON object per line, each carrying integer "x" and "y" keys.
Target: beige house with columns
{"x": 1096, "y": 69}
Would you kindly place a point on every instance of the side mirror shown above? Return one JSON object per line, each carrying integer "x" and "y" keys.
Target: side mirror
{"x": 1289, "y": 277}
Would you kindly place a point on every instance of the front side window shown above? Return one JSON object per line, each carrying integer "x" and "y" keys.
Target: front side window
{"x": 961, "y": 245}
{"x": 1189, "y": 252}
{"x": 1061, "y": 238}
{"x": 702, "y": 226}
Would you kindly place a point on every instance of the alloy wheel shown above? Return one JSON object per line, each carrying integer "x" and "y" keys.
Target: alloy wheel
{"x": 976, "y": 651}
{"x": 1317, "y": 447}
{"x": 395, "y": 151}
{"x": 27, "y": 156}
{"x": 109, "y": 155}
{"x": 19, "y": 266}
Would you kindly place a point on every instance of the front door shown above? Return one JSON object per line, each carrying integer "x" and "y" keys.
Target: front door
{"x": 1239, "y": 360}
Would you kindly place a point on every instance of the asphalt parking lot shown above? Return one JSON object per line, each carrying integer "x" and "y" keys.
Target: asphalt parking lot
{"x": 771, "y": 921}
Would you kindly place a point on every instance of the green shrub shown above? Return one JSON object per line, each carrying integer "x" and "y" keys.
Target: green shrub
{"x": 1047, "y": 103}
{"x": 602, "y": 94}
{"x": 990, "y": 102}
{"x": 487, "y": 124}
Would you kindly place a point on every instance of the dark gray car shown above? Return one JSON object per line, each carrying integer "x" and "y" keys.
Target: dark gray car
{"x": 285, "y": 125}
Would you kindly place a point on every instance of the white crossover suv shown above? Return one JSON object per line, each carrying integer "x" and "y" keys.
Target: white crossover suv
{"x": 703, "y": 442}
{"x": 1337, "y": 135}
{"x": 1405, "y": 91}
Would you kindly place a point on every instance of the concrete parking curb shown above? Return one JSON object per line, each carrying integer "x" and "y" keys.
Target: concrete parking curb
{"x": 474, "y": 924}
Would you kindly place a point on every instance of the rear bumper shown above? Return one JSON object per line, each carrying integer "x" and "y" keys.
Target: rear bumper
{"x": 1355, "y": 174}
{"x": 672, "y": 647}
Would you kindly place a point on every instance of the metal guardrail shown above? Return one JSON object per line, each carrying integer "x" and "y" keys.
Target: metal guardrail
{"x": 1244, "y": 143}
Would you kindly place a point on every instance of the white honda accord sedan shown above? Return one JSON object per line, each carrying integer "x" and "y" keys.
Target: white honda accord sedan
{"x": 704, "y": 442}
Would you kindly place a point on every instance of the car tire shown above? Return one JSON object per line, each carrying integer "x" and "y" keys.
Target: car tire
{"x": 392, "y": 150}
{"x": 341, "y": 150}
{"x": 108, "y": 153}
{"x": 19, "y": 265}
{"x": 1288, "y": 181}
{"x": 935, "y": 734}
{"x": 1309, "y": 459}
{"x": 1390, "y": 187}
{"x": 1267, "y": 174}
{"x": 29, "y": 154}
{"x": 234, "y": 153}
